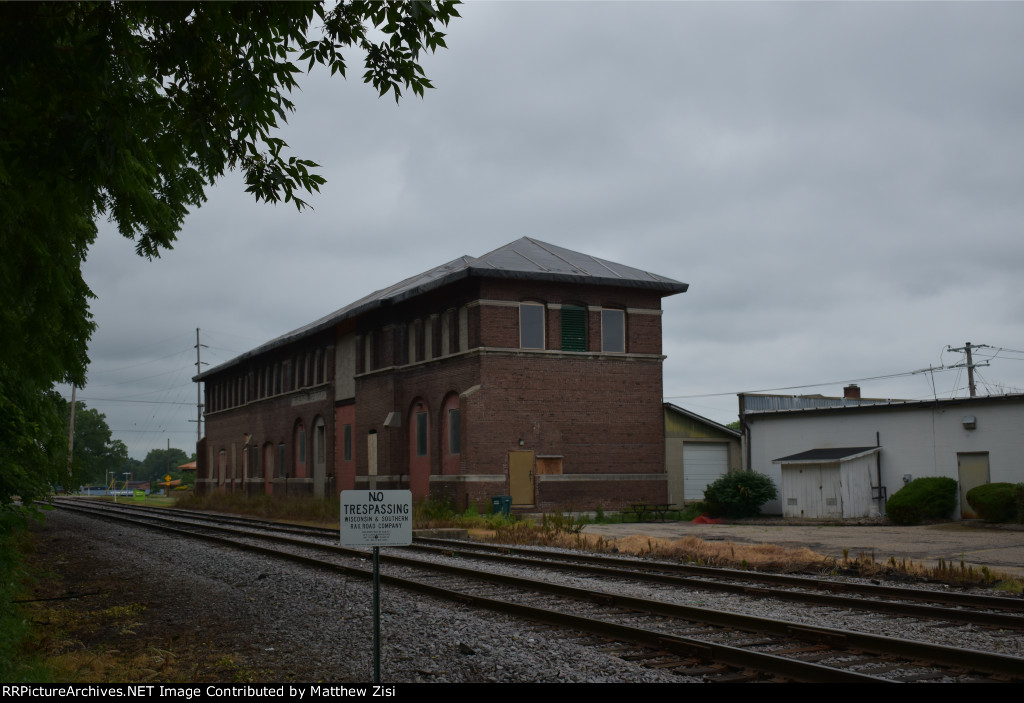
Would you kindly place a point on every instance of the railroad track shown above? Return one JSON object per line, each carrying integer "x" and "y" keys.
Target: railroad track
{"x": 688, "y": 639}
{"x": 966, "y": 607}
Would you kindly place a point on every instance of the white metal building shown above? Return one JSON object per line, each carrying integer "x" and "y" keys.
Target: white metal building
{"x": 972, "y": 440}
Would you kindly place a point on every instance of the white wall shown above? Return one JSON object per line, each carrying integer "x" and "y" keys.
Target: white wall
{"x": 920, "y": 441}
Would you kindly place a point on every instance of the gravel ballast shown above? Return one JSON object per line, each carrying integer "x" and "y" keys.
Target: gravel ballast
{"x": 251, "y": 617}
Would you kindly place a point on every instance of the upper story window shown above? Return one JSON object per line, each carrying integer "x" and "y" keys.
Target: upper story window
{"x": 613, "y": 331}
{"x": 531, "y": 326}
{"x": 574, "y": 328}
{"x": 368, "y": 352}
{"x": 411, "y": 327}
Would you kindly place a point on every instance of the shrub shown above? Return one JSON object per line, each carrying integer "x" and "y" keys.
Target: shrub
{"x": 922, "y": 499}
{"x": 739, "y": 494}
{"x": 995, "y": 502}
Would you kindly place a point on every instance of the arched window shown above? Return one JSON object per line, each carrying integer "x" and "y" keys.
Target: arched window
{"x": 319, "y": 457}
{"x": 300, "y": 450}
{"x": 267, "y": 469}
{"x": 451, "y": 434}
{"x": 419, "y": 449}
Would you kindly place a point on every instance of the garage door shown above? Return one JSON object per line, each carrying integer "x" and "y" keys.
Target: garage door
{"x": 703, "y": 464}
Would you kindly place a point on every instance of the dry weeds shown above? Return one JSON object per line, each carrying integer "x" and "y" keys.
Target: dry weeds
{"x": 759, "y": 557}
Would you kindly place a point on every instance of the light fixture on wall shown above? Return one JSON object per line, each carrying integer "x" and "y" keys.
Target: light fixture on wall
{"x": 969, "y": 422}
{"x": 522, "y": 442}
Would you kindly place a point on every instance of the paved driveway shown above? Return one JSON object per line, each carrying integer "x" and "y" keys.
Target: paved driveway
{"x": 998, "y": 547}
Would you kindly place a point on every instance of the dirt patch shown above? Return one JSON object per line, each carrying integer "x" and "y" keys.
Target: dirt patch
{"x": 101, "y": 619}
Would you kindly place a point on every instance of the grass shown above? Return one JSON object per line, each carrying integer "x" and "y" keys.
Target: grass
{"x": 691, "y": 550}
{"x": 311, "y": 511}
{"x": 440, "y": 514}
{"x": 18, "y": 662}
{"x": 955, "y": 573}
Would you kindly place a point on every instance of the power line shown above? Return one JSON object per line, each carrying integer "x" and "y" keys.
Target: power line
{"x": 144, "y": 402}
{"x": 813, "y": 385}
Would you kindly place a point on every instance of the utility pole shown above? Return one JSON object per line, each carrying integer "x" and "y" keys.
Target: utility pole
{"x": 199, "y": 387}
{"x": 966, "y": 349}
{"x": 71, "y": 437}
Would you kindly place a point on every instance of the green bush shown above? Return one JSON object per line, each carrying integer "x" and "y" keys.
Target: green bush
{"x": 922, "y": 499}
{"x": 738, "y": 494}
{"x": 995, "y": 502}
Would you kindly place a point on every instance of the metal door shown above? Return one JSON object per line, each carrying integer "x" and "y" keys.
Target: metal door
{"x": 972, "y": 468}
{"x": 520, "y": 477}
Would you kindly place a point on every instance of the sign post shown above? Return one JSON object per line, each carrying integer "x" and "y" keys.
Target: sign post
{"x": 373, "y": 519}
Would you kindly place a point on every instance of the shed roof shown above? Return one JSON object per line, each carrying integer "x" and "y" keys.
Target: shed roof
{"x": 827, "y": 455}
{"x": 523, "y": 259}
{"x": 673, "y": 408}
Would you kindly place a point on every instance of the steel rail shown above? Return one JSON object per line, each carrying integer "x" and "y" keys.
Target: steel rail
{"x": 974, "y": 617}
{"x": 960, "y": 599}
{"x": 1001, "y": 665}
{"x": 816, "y": 591}
{"x": 698, "y": 649}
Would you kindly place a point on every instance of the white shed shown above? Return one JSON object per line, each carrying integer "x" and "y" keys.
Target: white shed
{"x": 834, "y": 482}
{"x": 972, "y": 440}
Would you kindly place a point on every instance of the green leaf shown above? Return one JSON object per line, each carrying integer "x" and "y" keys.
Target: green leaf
{"x": 131, "y": 111}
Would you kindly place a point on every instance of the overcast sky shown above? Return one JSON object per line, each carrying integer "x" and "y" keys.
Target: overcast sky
{"x": 841, "y": 184}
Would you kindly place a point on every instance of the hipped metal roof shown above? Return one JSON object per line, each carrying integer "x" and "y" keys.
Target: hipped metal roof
{"x": 524, "y": 259}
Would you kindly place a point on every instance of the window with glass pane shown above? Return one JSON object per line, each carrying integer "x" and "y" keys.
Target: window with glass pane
{"x": 454, "y": 436}
{"x": 613, "y": 331}
{"x": 531, "y": 326}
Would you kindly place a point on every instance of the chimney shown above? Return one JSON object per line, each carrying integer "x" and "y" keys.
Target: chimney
{"x": 851, "y": 392}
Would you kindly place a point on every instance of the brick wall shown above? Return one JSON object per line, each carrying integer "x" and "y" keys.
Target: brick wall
{"x": 601, "y": 414}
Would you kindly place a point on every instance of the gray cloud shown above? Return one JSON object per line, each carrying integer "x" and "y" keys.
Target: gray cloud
{"x": 839, "y": 183}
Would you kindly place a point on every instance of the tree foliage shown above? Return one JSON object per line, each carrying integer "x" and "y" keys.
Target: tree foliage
{"x": 161, "y": 462}
{"x": 131, "y": 111}
{"x": 95, "y": 451}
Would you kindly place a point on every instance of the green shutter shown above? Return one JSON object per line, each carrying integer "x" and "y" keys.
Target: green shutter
{"x": 574, "y": 328}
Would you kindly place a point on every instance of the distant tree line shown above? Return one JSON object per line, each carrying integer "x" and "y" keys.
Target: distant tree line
{"x": 97, "y": 454}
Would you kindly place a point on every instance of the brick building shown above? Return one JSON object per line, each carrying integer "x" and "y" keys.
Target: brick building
{"x": 532, "y": 371}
